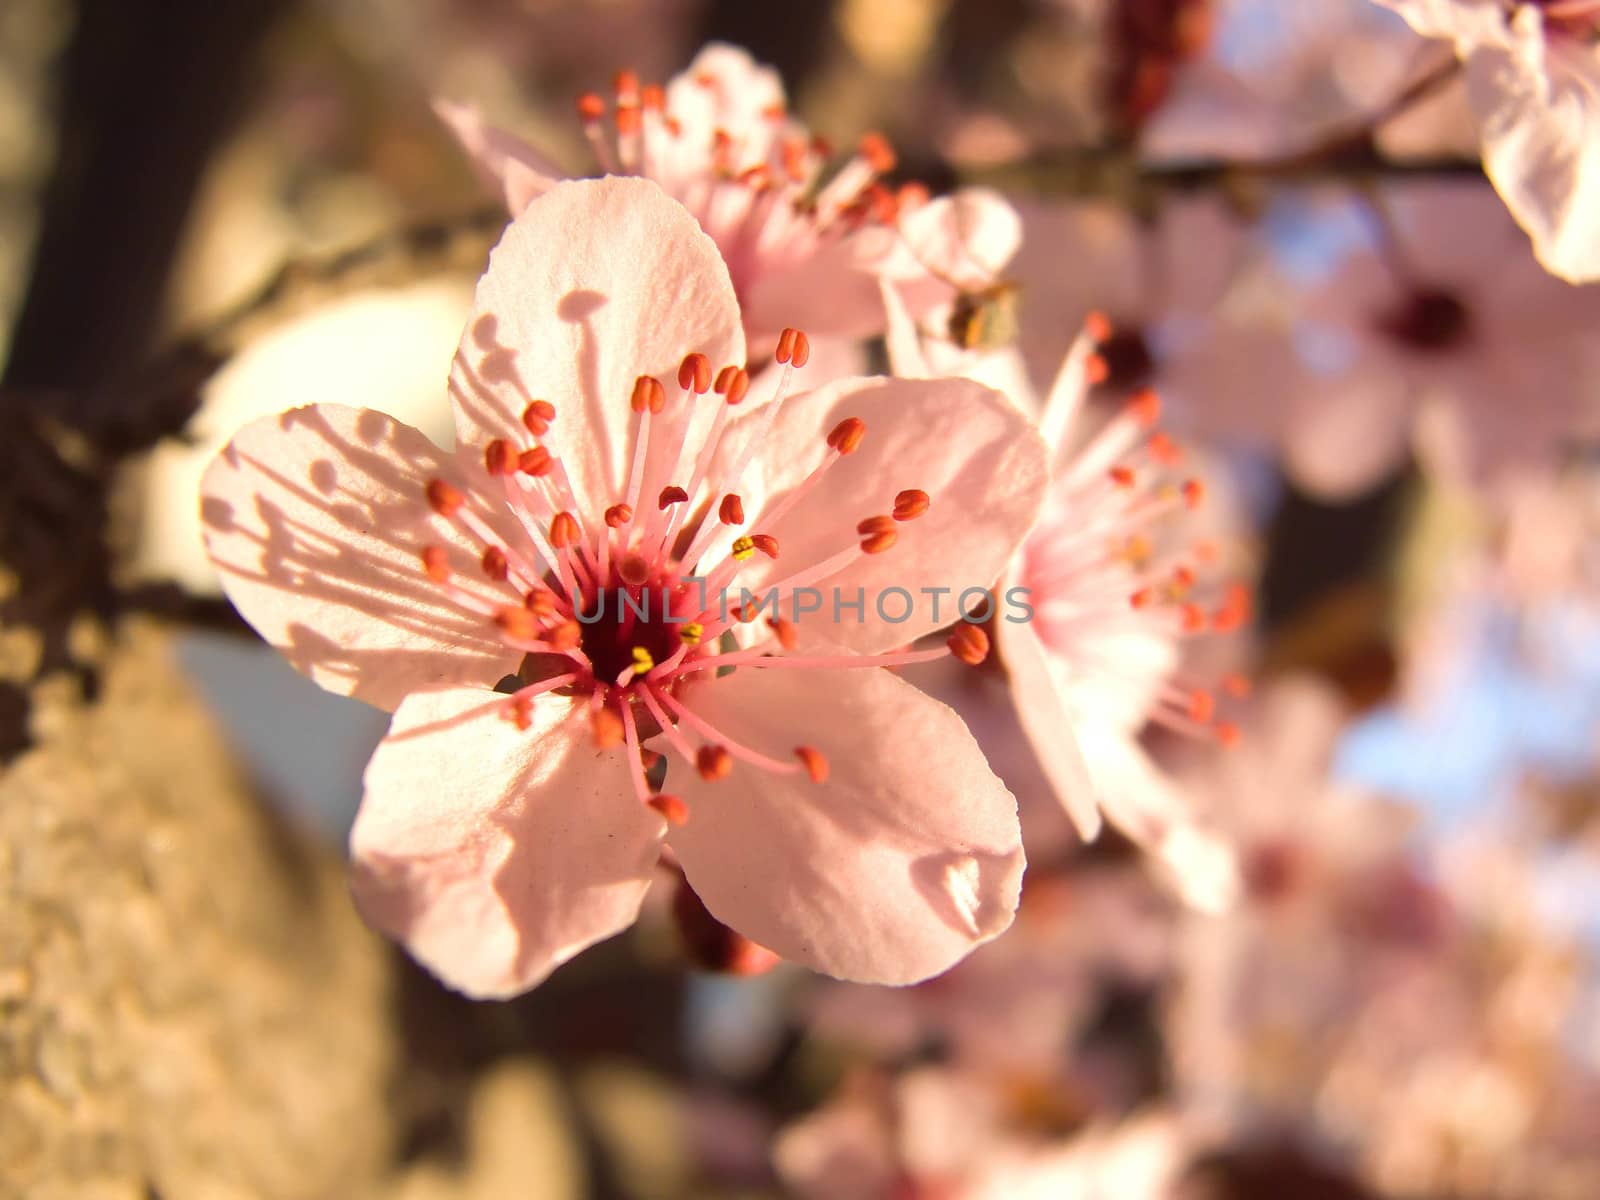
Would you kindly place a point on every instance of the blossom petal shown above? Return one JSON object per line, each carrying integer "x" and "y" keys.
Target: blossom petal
{"x": 510, "y": 163}
{"x": 597, "y": 282}
{"x": 1537, "y": 101}
{"x": 1044, "y": 717}
{"x": 315, "y": 520}
{"x": 495, "y": 854}
{"x": 903, "y": 861}
{"x": 966, "y": 239}
{"x": 977, "y": 457}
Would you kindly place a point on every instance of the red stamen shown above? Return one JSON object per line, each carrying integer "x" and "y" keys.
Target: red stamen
{"x": 785, "y": 632}
{"x": 1096, "y": 369}
{"x": 564, "y": 530}
{"x": 713, "y": 763}
{"x": 910, "y": 504}
{"x": 495, "y": 565}
{"x": 813, "y": 761}
{"x": 969, "y": 643}
{"x": 606, "y": 727}
{"x": 653, "y": 98}
{"x": 880, "y": 156}
{"x": 672, "y": 808}
{"x": 537, "y": 417}
{"x": 540, "y": 602}
{"x": 436, "y": 562}
{"x": 1202, "y": 706}
{"x": 517, "y": 623}
{"x": 629, "y": 119}
{"x": 618, "y": 515}
{"x": 695, "y": 374}
{"x": 1098, "y": 326}
{"x": 443, "y": 498}
{"x": 500, "y": 457}
{"x": 1193, "y": 491}
{"x": 1145, "y": 407}
{"x": 535, "y": 461}
{"x": 648, "y": 394}
{"x": 765, "y": 543}
{"x": 565, "y": 636}
{"x": 591, "y": 107}
{"x": 671, "y": 496}
{"x": 1123, "y": 477}
{"x": 847, "y": 434}
{"x": 731, "y": 510}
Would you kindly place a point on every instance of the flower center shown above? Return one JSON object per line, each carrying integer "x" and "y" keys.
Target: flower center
{"x": 1429, "y": 321}
{"x": 612, "y": 606}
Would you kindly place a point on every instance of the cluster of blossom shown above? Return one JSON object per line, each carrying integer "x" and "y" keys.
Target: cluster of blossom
{"x": 693, "y": 602}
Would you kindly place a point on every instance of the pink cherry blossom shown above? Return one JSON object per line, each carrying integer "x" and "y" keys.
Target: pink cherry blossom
{"x": 1533, "y": 67}
{"x": 938, "y": 1134}
{"x": 1446, "y": 335}
{"x": 1116, "y": 589}
{"x": 804, "y": 243}
{"x": 819, "y": 805}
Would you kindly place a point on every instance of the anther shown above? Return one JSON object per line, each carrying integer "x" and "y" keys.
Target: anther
{"x": 731, "y": 510}
{"x": 443, "y": 498}
{"x": 618, "y": 515}
{"x": 540, "y": 602}
{"x": 1202, "y": 706}
{"x": 537, "y": 417}
{"x": 691, "y": 633}
{"x": 969, "y": 643}
{"x": 738, "y": 385}
{"x": 1236, "y": 685}
{"x": 565, "y": 636}
{"x": 606, "y": 727}
{"x": 1193, "y": 492}
{"x": 784, "y": 630}
{"x": 495, "y": 565}
{"x": 534, "y": 461}
{"x": 813, "y": 761}
{"x": 1145, "y": 407}
{"x": 1227, "y": 733}
{"x": 877, "y": 543}
{"x": 671, "y": 496}
{"x": 648, "y": 394}
{"x": 1098, "y": 326}
{"x": 743, "y": 547}
{"x": 591, "y": 107}
{"x": 629, "y": 119}
{"x": 672, "y": 809}
{"x": 564, "y": 530}
{"x": 713, "y": 762}
{"x": 765, "y": 543}
{"x": 500, "y": 457}
{"x": 910, "y": 504}
{"x": 1123, "y": 477}
{"x": 1164, "y": 450}
{"x": 1142, "y": 597}
{"x": 793, "y": 346}
{"x": 1096, "y": 369}
{"x": 875, "y": 148}
{"x": 517, "y": 622}
{"x": 653, "y": 97}
{"x": 875, "y": 525}
{"x": 436, "y": 562}
{"x": 642, "y": 661}
{"x": 695, "y": 374}
{"x": 625, "y": 83}
{"x": 1193, "y": 617}
{"x": 520, "y": 712}
{"x": 847, "y": 435}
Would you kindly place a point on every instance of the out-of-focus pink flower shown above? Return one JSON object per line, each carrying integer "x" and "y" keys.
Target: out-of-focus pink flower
{"x": 1114, "y": 589}
{"x": 804, "y": 246}
{"x": 936, "y": 1134}
{"x": 502, "y": 833}
{"x": 1013, "y": 1004}
{"x": 1278, "y": 78}
{"x": 1533, "y": 69}
{"x": 1449, "y": 335}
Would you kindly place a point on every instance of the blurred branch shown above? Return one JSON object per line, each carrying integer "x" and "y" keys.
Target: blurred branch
{"x": 1347, "y": 154}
